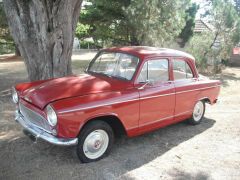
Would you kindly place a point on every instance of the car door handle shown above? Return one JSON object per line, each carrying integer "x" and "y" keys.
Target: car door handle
{"x": 168, "y": 83}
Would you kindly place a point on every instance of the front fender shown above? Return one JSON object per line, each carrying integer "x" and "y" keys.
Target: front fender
{"x": 74, "y": 112}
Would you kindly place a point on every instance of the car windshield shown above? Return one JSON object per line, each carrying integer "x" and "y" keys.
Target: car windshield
{"x": 114, "y": 64}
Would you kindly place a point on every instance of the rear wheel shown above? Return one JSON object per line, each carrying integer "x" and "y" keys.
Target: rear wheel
{"x": 94, "y": 141}
{"x": 198, "y": 113}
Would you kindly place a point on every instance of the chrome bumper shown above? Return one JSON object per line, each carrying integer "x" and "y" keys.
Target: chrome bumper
{"x": 41, "y": 134}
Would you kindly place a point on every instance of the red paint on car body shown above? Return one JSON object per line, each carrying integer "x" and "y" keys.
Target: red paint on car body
{"x": 80, "y": 98}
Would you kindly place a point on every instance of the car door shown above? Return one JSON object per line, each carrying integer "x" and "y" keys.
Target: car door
{"x": 186, "y": 93}
{"x": 157, "y": 96}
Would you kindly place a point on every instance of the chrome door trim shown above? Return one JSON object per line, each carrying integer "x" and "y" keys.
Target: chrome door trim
{"x": 135, "y": 99}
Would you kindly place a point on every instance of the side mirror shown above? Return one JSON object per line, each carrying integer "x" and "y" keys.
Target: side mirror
{"x": 86, "y": 69}
{"x": 148, "y": 82}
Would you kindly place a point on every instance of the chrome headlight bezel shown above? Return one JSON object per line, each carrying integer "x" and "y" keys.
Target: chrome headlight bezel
{"x": 15, "y": 97}
{"x": 51, "y": 116}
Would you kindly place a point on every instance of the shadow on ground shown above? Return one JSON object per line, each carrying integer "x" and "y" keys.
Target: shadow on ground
{"x": 22, "y": 158}
{"x": 181, "y": 175}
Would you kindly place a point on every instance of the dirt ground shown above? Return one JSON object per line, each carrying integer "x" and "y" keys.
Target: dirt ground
{"x": 210, "y": 150}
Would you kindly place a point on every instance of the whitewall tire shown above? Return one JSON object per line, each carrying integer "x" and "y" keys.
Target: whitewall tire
{"x": 94, "y": 141}
{"x": 198, "y": 113}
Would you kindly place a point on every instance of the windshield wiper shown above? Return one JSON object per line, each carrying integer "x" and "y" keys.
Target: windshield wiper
{"x": 120, "y": 77}
{"x": 108, "y": 75}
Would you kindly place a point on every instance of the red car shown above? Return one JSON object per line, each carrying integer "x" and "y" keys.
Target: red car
{"x": 130, "y": 89}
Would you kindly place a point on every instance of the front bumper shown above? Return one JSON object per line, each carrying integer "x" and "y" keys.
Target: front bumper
{"x": 41, "y": 134}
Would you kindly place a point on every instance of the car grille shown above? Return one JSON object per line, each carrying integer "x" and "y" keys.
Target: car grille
{"x": 34, "y": 118}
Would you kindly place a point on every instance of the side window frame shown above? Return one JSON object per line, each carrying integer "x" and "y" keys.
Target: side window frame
{"x": 153, "y": 59}
{"x": 189, "y": 65}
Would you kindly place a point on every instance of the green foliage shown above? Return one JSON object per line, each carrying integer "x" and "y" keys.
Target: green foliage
{"x": 198, "y": 46}
{"x": 217, "y": 45}
{"x": 6, "y": 41}
{"x": 237, "y": 6}
{"x": 106, "y": 21}
{"x": 87, "y": 45}
{"x": 82, "y": 30}
{"x": 187, "y": 31}
{"x": 226, "y": 22}
{"x": 6, "y": 47}
{"x": 3, "y": 19}
{"x": 134, "y": 22}
{"x": 157, "y": 22}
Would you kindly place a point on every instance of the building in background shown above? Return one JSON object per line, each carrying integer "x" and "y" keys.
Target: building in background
{"x": 202, "y": 26}
{"x": 235, "y": 58}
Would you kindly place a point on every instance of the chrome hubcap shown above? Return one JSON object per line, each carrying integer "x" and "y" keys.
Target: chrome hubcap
{"x": 95, "y": 144}
{"x": 198, "y": 111}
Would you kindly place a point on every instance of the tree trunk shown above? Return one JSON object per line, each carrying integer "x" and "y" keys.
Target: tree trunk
{"x": 17, "y": 51}
{"x": 134, "y": 41}
{"x": 44, "y": 30}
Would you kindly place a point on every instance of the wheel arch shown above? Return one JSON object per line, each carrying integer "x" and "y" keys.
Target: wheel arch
{"x": 205, "y": 99}
{"x": 111, "y": 119}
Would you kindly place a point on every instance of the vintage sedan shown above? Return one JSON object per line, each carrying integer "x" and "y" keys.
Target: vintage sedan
{"x": 130, "y": 90}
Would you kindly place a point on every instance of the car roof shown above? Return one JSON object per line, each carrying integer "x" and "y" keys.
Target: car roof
{"x": 147, "y": 51}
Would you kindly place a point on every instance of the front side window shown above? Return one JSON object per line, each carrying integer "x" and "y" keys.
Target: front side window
{"x": 155, "y": 71}
{"x": 114, "y": 64}
{"x": 181, "y": 70}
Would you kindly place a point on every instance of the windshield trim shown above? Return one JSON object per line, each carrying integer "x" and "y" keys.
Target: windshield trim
{"x": 109, "y": 76}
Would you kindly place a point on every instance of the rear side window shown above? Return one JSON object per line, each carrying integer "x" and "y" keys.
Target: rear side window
{"x": 154, "y": 70}
{"x": 181, "y": 70}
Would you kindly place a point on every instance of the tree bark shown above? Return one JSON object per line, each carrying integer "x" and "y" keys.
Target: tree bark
{"x": 17, "y": 51}
{"x": 44, "y": 30}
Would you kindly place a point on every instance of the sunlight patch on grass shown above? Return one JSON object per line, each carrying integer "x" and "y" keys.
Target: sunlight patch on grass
{"x": 8, "y": 135}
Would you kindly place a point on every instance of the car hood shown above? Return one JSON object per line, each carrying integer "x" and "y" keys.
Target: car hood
{"x": 71, "y": 86}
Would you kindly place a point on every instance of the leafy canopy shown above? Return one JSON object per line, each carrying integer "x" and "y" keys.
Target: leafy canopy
{"x": 187, "y": 31}
{"x": 134, "y": 22}
{"x": 218, "y": 44}
{"x": 6, "y": 41}
{"x": 157, "y": 22}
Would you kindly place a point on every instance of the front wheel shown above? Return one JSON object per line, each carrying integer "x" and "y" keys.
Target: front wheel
{"x": 198, "y": 113}
{"x": 94, "y": 141}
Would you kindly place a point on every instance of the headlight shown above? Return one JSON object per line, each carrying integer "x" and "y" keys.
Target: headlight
{"x": 14, "y": 96}
{"x": 51, "y": 116}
